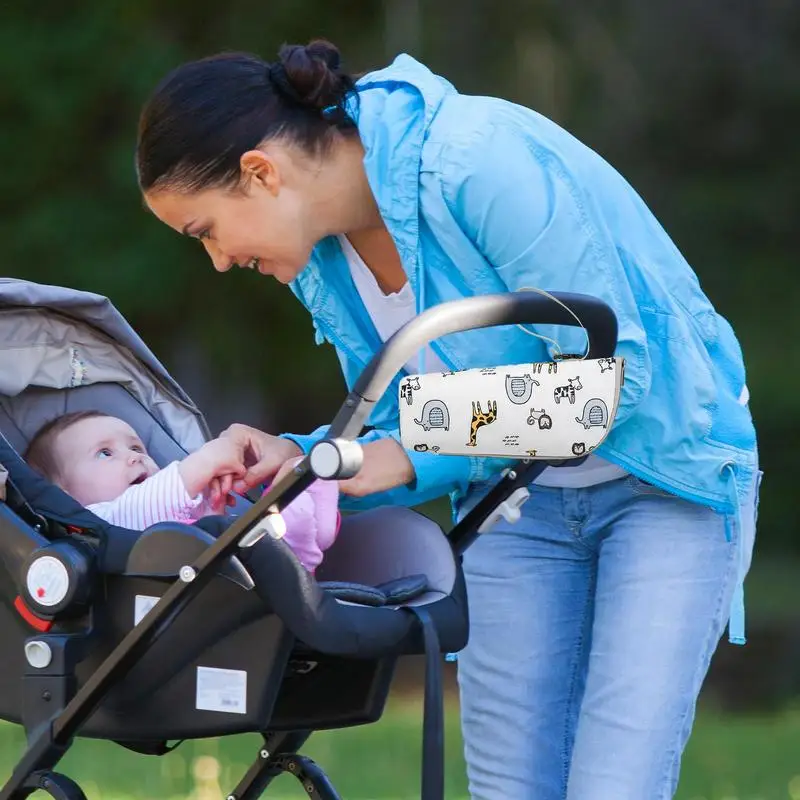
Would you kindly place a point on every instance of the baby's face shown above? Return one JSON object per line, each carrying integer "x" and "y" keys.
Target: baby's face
{"x": 99, "y": 458}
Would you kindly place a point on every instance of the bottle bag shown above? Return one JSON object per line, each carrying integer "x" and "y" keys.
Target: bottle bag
{"x": 550, "y": 410}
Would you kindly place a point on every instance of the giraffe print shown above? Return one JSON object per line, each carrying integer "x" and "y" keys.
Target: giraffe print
{"x": 479, "y": 419}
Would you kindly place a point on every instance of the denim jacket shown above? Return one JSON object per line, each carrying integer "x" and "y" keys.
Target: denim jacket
{"x": 481, "y": 196}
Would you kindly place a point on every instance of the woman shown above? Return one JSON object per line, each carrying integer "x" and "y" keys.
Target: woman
{"x": 594, "y": 618}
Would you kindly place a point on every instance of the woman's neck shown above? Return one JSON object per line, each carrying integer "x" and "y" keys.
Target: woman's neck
{"x": 342, "y": 200}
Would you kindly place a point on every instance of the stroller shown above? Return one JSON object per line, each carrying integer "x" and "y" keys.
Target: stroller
{"x": 192, "y": 631}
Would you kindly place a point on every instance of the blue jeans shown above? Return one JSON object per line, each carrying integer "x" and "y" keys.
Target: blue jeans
{"x": 593, "y": 622}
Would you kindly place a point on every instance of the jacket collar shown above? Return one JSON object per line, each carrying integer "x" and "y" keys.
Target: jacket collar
{"x": 393, "y": 109}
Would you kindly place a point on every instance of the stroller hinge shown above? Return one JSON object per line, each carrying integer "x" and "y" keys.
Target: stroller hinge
{"x": 279, "y": 755}
{"x": 48, "y": 685}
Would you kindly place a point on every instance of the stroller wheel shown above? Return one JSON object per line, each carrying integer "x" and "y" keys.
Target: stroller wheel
{"x": 58, "y": 786}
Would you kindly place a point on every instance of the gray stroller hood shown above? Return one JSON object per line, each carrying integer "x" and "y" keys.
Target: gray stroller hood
{"x": 64, "y": 350}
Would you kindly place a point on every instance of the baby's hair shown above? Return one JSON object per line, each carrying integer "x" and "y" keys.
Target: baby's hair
{"x": 40, "y": 451}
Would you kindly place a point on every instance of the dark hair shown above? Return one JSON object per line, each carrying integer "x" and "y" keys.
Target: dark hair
{"x": 40, "y": 452}
{"x": 205, "y": 114}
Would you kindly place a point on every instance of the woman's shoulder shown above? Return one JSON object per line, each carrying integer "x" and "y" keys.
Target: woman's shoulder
{"x": 481, "y": 138}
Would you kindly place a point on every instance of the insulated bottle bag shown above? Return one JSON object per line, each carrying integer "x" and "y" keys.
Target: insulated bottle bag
{"x": 552, "y": 410}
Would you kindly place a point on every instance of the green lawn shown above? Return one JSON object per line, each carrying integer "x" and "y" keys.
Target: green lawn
{"x": 728, "y": 759}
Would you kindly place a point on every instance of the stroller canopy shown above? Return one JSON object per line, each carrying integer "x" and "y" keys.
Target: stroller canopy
{"x": 63, "y": 350}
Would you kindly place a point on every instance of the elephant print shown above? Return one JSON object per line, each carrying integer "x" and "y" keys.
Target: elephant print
{"x": 434, "y": 415}
{"x": 519, "y": 388}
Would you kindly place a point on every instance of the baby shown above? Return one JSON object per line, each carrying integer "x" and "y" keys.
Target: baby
{"x": 101, "y": 462}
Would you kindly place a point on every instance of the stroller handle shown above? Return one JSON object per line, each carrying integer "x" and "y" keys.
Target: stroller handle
{"x": 485, "y": 311}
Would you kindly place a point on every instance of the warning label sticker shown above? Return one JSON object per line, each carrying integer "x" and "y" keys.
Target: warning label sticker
{"x": 221, "y": 690}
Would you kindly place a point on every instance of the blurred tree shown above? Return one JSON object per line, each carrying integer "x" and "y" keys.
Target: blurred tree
{"x": 696, "y": 104}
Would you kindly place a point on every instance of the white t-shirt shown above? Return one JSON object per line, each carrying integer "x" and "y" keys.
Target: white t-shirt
{"x": 389, "y": 312}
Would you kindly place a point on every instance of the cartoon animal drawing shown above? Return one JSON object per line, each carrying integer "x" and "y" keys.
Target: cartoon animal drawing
{"x": 606, "y": 364}
{"x": 408, "y": 388}
{"x": 545, "y": 420}
{"x": 421, "y": 448}
{"x": 479, "y": 419}
{"x": 519, "y": 388}
{"x": 595, "y": 414}
{"x": 434, "y": 415}
{"x": 579, "y": 448}
{"x": 568, "y": 391}
{"x": 552, "y": 367}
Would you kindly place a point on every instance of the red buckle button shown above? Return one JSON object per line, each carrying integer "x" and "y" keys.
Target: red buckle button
{"x": 41, "y": 625}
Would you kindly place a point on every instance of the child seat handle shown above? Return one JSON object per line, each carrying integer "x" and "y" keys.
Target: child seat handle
{"x": 484, "y": 311}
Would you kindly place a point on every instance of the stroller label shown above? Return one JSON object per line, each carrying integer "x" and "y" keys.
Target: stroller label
{"x": 221, "y": 690}
{"x": 141, "y": 605}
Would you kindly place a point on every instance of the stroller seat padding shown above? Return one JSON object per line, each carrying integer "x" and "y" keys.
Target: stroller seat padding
{"x": 374, "y": 548}
{"x": 22, "y": 415}
{"x": 383, "y": 545}
{"x": 164, "y": 548}
{"x": 394, "y": 592}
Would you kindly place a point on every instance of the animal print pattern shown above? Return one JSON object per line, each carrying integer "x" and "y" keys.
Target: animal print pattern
{"x": 564, "y": 412}
{"x": 479, "y": 419}
{"x": 568, "y": 391}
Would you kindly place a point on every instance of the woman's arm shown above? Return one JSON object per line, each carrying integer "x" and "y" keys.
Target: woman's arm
{"x": 392, "y": 475}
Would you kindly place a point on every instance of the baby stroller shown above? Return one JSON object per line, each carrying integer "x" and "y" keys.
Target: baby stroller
{"x": 192, "y": 631}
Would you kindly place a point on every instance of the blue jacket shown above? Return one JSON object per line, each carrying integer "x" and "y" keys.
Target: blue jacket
{"x": 482, "y": 196}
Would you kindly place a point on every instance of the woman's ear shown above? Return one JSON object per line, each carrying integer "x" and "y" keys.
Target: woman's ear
{"x": 260, "y": 169}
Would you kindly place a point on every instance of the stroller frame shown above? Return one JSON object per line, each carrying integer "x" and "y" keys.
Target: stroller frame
{"x": 55, "y": 712}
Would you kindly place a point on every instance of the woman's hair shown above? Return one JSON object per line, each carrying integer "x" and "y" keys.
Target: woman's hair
{"x": 205, "y": 114}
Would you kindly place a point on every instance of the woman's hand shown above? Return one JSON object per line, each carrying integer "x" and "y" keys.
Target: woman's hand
{"x": 262, "y": 454}
{"x": 386, "y": 466}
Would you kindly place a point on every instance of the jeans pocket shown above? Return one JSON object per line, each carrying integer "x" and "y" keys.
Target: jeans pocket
{"x": 642, "y": 487}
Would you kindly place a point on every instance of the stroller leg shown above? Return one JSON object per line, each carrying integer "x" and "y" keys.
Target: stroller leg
{"x": 59, "y": 787}
{"x": 279, "y": 754}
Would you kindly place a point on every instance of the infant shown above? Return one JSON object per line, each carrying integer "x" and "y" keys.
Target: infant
{"x": 101, "y": 462}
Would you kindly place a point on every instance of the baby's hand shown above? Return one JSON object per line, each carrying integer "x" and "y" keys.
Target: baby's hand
{"x": 213, "y": 467}
{"x": 220, "y": 495}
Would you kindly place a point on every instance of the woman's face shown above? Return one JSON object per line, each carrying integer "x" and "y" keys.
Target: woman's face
{"x": 263, "y": 224}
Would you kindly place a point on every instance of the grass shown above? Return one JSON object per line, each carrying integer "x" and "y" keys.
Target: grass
{"x": 728, "y": 758}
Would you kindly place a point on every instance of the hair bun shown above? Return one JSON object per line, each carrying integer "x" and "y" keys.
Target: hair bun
{"x": 310, "y": 74}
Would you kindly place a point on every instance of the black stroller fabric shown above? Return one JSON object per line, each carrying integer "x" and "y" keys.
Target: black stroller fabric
{"x": 310, "y": 652}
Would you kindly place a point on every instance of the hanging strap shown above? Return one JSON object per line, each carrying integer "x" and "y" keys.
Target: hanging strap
{"x": 149, "y": 748}
{"x": 433, "y": 710}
